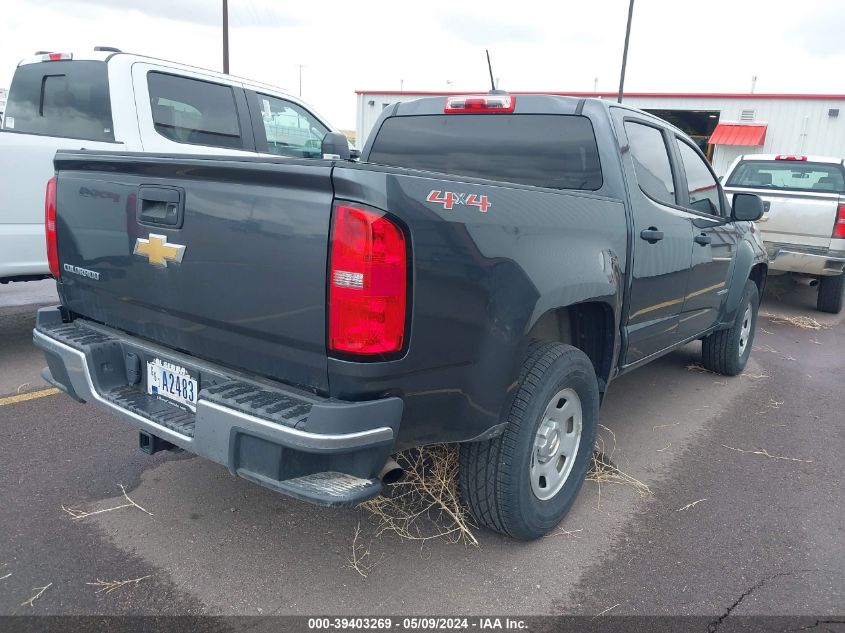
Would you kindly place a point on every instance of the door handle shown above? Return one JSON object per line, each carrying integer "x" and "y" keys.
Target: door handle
{"x": 651, "y": 235}
{"x": 703, "y": 239}
{"x": 160, "y": 205}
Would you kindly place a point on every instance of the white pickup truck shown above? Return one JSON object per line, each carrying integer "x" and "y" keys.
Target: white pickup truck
{"x": 110, "y": 100}
{"x": 803, "y": 223}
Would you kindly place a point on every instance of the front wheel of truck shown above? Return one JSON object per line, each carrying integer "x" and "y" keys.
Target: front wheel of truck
{"x": 726, "y": 352}
{"x": 523, "y": 482}
{"x": 831, "y": 290}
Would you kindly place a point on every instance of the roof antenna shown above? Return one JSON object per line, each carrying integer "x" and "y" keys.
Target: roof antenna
{"x": 493, "y": 89}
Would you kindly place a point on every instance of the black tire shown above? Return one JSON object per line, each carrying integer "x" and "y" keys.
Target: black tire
{"x": 722, "y": 351}
{"x": 831, "y": 290}
{"x": 494, "y": 475}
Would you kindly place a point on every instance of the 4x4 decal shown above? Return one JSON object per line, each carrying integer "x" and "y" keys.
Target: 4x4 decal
{"x": 450, "y": 198}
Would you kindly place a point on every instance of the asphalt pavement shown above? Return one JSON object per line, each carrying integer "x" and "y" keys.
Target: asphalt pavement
{"x": 743, "y": 514}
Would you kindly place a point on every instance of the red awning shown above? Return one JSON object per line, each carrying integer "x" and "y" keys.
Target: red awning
{"x": 739, "y": 134}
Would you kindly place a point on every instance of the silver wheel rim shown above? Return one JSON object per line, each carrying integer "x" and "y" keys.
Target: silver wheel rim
{"x": 556, "y": 444}
{"x": 745, "y": 330}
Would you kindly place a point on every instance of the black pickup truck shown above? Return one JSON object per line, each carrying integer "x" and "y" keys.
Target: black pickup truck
{"x": 480, "y": 277}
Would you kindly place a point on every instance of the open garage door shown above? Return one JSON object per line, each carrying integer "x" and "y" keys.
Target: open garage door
{"x": 697, "y": 124}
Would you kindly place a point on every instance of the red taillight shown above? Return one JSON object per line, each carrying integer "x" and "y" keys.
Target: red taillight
{"x": 367, "y": 283}
{"x": 50, "y": 227}
{"x": 480, "y": 104}
{"x": 789, "y": 157}
{"x": 839, "y": 227}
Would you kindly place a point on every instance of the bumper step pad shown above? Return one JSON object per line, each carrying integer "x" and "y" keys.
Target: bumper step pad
{"x": 264, "y": 403}
{"x": 160, "y": 412}
{"x": 326, "y": 488}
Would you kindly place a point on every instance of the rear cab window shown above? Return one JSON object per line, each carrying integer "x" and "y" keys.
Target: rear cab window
{"x": 553, "y": 151}
{"x": 788, "y": 175}
{"x": 68, "y": 99}
{"x": 193, "y": 111}
{"x": 651, "y": 161}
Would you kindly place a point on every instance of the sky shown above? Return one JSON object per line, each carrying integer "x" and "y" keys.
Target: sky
{"x": 676, "y": 45}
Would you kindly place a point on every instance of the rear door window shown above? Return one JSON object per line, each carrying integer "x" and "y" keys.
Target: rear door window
{"x": 193, "y": 111}
{"x": 556, "y": 151}
{"x": 290, "y": 129}
{"x": 702, "y": 187}
{"x": 790, "y": 175}
{"x": 651, "y": 161}
{"x": 68, "y": 99}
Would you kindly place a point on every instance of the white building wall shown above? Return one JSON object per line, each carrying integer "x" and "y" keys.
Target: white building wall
{"x": 795, "y": 125}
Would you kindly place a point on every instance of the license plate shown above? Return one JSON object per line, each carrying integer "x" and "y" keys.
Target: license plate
{"x": 171, "y": 382}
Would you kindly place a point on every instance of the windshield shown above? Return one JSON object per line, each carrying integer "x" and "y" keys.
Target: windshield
{"x": 791, "y": 175}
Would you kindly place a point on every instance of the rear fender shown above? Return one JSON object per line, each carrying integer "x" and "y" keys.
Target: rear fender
{"x": 601, "y": 286}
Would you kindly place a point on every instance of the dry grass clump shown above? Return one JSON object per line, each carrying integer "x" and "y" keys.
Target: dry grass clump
{"x": 803, "y": 322}
{"x": 603, "y": 471}
{"x": 426, "y": 504}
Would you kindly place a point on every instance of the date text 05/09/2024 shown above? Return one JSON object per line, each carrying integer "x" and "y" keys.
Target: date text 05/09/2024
{"x": 418, "y": 624}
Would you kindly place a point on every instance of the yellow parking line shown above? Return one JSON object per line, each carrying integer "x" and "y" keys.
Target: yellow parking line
{"x": 32, "y": 395}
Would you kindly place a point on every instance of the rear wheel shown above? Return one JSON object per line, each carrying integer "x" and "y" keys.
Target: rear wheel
{"x": 727, "y": 351}
{"x": 523, "y": 482}
{"x": 830, "y": 294}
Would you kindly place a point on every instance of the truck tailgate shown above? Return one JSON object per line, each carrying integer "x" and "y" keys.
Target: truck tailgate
{"x": 222, "y": 259}
{"x": 800, "y": 218}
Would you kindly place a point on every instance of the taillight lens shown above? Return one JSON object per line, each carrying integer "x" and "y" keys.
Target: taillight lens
{"x": 50, "y": 227}
{"x": 839, "y": 227}
{"x": 480, "y": 104}
{"x": 56, "y": 57}
{"x": 367, "y": 283}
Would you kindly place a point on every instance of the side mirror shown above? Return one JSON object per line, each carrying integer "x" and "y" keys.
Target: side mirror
{"x": 747, "y": 207}
{"x": 335, "y": 146}
{"x": 354, "y": 153}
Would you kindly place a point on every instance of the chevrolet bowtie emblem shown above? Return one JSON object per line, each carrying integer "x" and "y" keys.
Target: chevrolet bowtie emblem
{"x": 158, "y": 251}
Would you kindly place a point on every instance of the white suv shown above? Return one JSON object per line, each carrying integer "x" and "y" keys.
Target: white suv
{"x": 110, "y": 100}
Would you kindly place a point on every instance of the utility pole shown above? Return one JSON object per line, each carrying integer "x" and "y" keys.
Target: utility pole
{"x": 595, "y": 84}
{"x": 300, "y": 66}
{"x": 625, "y": 51}
{"x": 753, "y": 83}
{"x": 226, "y": 37}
